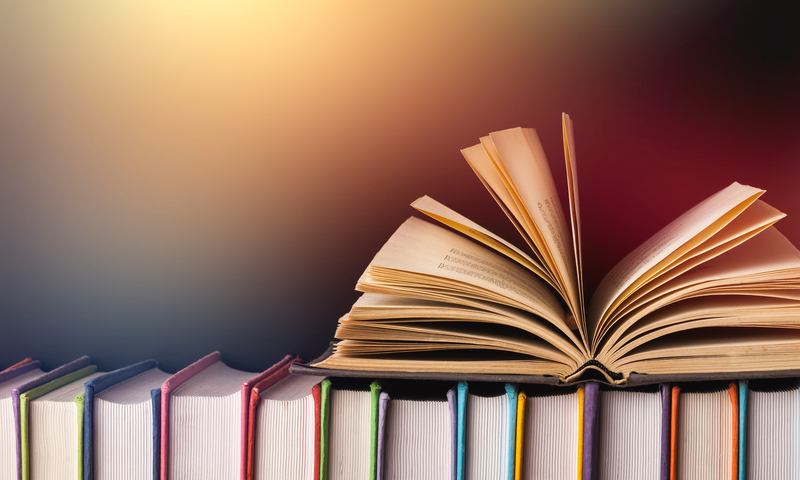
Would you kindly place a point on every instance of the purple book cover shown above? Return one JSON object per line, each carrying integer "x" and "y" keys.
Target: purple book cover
{"x": 11, "y": 373}
{"x": 383, "y": 403}
{"x": 666, "y": 408}
{"x": 41, "y": 380}
{"x": 590, "y": 421}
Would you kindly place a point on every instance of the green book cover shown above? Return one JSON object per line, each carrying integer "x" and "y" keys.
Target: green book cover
{"x": 375, "y": 394}
{"x": 24, "y": 408}
{"x": 324, "y": 428}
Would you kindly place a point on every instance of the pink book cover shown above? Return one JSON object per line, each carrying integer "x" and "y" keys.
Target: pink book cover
{"x": 250, "y": 395}
{"x": 170, "y": 384}
{"x": 247, "y": 387}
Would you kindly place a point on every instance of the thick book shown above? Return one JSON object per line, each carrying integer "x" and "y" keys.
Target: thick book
{"x": 550, "y": 432}
{"x": 51, "y": 438}
{"x": 719, "y": 283}
{"x": 486, "y": 428}
{"x": 251, "y": 395}
{"x": 704, "y": 436}
{"x": 287, "y": 429}
{"x": 17, "y": 392}
{"x": 769, "y": 432}
{"x": 120, "y": 423}
{"x": 349, "y": 429}
{"x": 9, "y": 379}
{"x": 632, "y": 438}
{"x": 417, "y": 431}
{"x": 203, "y": 422}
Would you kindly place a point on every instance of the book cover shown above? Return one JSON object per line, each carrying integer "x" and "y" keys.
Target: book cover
{"x": 247, "y": 413}
{"x": 65, "y": 369}
{"x": 93, "y": 387}
{"x": 36, "y": 392}
{"x": 253, "y": 389}
{"x": 18, "y": 364}
{"x": 170, "y": 384}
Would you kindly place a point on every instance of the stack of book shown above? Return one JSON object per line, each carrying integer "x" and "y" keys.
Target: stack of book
{"x": 469, "y": 357}
{"x": 210, "y": 421}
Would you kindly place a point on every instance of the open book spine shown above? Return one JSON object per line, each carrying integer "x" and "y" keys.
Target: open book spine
{"x": 93, "y": 387}
{"x": 170, "y": 384}
{"x": 65, "y": 369}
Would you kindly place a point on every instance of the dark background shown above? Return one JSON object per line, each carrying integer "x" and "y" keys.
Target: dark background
{"x": 183, "y": 177}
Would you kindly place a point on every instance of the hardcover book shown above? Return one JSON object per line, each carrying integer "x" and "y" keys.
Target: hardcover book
{"x": 9, "y": 379}
{"x": 20, "y": 419}
{"x": 120, "y": 423}
{"x": 204, "y": 421}
{"x": 455, "y": 301}
{"x": 51, "y": 416}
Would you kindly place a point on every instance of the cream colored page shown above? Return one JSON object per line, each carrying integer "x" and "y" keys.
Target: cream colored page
{"x": 768, "y": 253}
{"x": 574, "y": 206}
{"x": 668, "y": 240}
{"x": 522, "y": 157}
{"x": 756, "y": 218}
{"x": 461, "y": 223}
{"x": 480, "y": 161}
{"x": 422, "y": 248}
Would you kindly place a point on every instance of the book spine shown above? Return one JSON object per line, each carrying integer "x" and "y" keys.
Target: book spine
{"x": 666, "y": 412}
{"x": 80, "y": 403}
{"x": 155, "y": 399}
{"x": 742, "y": 424}
{"x": 733, "y": 393}
{"x": 673, "y": 432}
{"x": 452, "y": 404}
{"x": 590, "y": 424}
{"x": 511, "y": 393}
{"x": 520, "y": 435}
{"x": 325, "y": 421}
{"x": 463, "y": 390}
{"x": 383, "y": 404}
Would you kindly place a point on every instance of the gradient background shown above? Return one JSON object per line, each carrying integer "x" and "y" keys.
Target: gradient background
{"x": 187, "y": 176}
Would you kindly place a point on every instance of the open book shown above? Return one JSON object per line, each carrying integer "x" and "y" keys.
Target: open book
{"x": 717, "y": 290}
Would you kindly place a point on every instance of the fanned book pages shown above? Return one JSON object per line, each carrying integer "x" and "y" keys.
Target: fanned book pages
{"x": 202, "y": 421}
{"x": 52, "y": 440}
{"x": 719, "y": 283}
{"x": 121, "y": 423}
{"x": 10, "y": 379}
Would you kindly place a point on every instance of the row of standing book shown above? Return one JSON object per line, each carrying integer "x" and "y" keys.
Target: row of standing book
{"x": 210, "y": 421}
